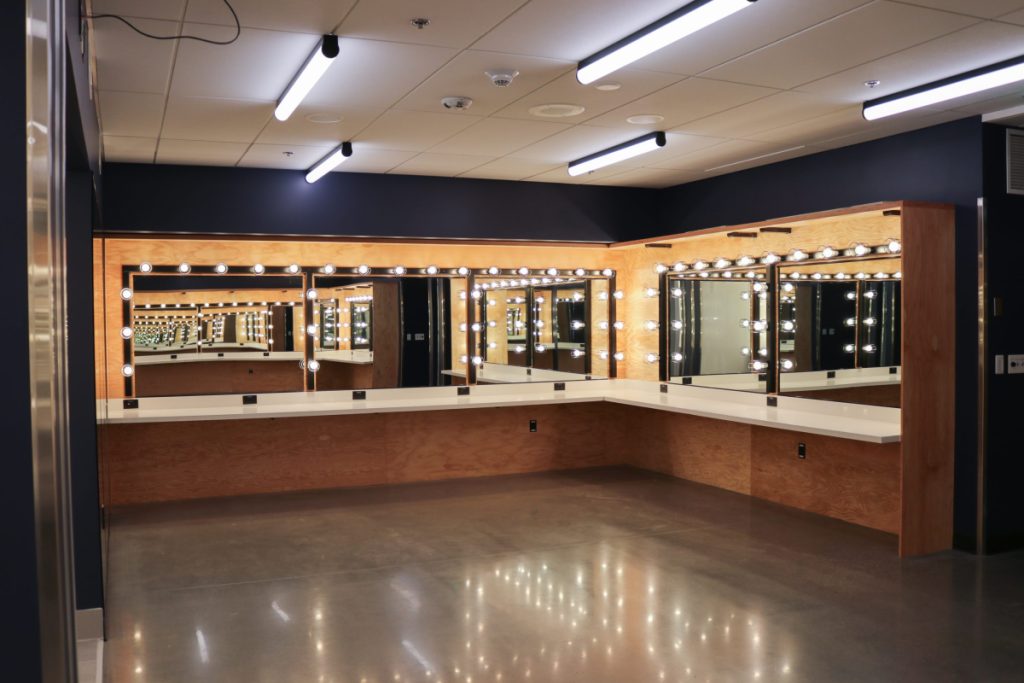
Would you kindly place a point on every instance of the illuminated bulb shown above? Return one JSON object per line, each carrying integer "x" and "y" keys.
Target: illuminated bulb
{"x": 619, "y": 355}
{"x": 313, "y": 365}
{"x": 603, "y": 355}
{"x": 869, "y": 348}
{"x": 760, "y": 326}
{"x": 700, "y": 265}
{"x": 759, "y": 287}
{"x": 493, "y": 270}
{"x": 312, "y": 294}
{"x": 293, "y": 268}
{"x": 220, "y": 268}
{"x": 577, "y": 353}
{"x": 603, "y": 325}
{"x": 829, "y": 252}
{"x": 745, "y": 351}
{"x": 850, "y": 348}
{"x": 329, "y": 269}
{"x": 677, "y": 357}
{"x": 880, "y": 276}
{"x": 651, "y": 358}
{"x": 492, "y": 345}
{"x": 650, "y": 292}
{"x": 770, "y": 258}
{"x": 399, "y": 270}
{"x": 861, "y": 249}
{"x": 758, "y": 366}
{"x": 618, "y": 294}
{"x": 867, "y": 295}
{"x": 788, "y": 288}
{"x": 744, "y": 323}
{"x": 679, "y": 266}
{"x": 259, "y": 269}
{"x": 816, "y": 276}
{"x": 519, "y": 348}
{"x": 787, "y": 365}
{"x": 788, "y": 325}
{"x": 894, "y": 246}
{"x": 523, "y": 271}
{"x": 722, "y": 263}
{"x": 463, "y": 359}
{"x": 578, "y": 324}
{"x": 851, "y": 296}
{"x": 608, "y": 272}
{"x": 602, "y": 296}
{"x": 552, "y": 271}
{"x": 184, "y": 267}
{"x": 797, "y": 255}
{"x": 862, "y": 276}
{"x": 580, "y": 272}
{"x": 126, "y": 294}
{"x": 744, "y": 261}
{"x": 475, "y": 327}
{"x": 363, "y": 269}
{"x": 850, "y": 322}
{"x": 651, "y": 325}
{"x": 677, "y": 292}
{"x": 127, "y": 370}
{"x": 660, "y": 268}
{"x": 145, "y": 267}
{"x": 431, "y": 270}
{"x": 477, "y": 294}
{"x": 478, "y": 360}
{"x": 677, "y": 324}
{"x": 870, "y": 322}
{"x": 898, "y": 275}
{"x": 763, "y": 353}
{"x": 126, "y": 333}
{"x": 842, "y": 276}
{"x": 540, "y": 348}
{"x": 311, "y": 330}
{"x": 619, "y": 325}
{"x": 463, "y": 327}
{"x": 462, "y": 270}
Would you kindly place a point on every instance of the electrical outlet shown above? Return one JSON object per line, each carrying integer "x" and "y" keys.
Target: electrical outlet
{"x": 559, "y": 386}
{"x": 358, "y": 395}
{"x": 463, "y": 391}
{"x": 533, "y": 425}
{"x": 1015, "y": 364}
{"x": 130, "y": 403}
{"x": 249, "y": 400}
{"x": 801, "y": 450}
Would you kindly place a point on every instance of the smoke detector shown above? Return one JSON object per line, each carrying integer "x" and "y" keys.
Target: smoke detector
{"x": 457, "y": 102}
{"x": 502, "y": 78}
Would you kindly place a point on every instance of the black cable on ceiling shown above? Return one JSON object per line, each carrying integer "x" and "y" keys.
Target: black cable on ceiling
{"x": 182, "y": 36}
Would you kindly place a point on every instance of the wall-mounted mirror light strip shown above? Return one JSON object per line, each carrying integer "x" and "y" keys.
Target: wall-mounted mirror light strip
{"x": 329, "y": 162}
{"x": 618, "y": 153}
{"x": 859, "y": 250}
{"x": 534, "y": 275}
{"x": 662, "y": 33}
{"x": 979, "y": 80}
{"x": 312, "y": 70}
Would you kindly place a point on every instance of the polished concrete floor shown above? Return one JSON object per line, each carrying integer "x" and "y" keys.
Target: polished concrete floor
{"x": 601, "y": 576}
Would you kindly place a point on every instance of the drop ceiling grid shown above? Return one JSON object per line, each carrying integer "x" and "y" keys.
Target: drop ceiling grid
{"x": 776, "y": 115}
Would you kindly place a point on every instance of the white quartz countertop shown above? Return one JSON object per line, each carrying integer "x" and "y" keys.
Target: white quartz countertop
{"x": 842, "y": 420}
{"x": 211, "y": 356}
{"x": 496, "y": 373}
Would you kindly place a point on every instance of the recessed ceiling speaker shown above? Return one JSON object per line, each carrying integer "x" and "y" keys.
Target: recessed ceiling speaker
{"x": 502, "y": 78}
{"x": 457, "y": 102}
{"x": 557, "y": 111}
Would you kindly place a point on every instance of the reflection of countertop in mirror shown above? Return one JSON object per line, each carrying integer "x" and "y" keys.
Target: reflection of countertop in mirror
{"x": 844, "y": 379}
{"x": 355, "y": 357}
{"x": 497, "y": 373}
{"x": 846, "y": 421}
{"x": 744, "y": 382}
{"x": 207, "y": 356}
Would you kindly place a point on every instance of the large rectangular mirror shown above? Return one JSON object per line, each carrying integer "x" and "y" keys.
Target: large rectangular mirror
{"x": 716, "y": 328}
{"x": 190, "y": 334}
{"x": 382, "y": 332}
{"x": 552, "y": 328}
{"x": 840, "y": 331}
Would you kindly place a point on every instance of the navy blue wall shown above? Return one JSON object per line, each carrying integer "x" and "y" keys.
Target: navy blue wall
{"x": 938, "y": 164}
{"x": 18, "y": 593}
{"x": 1004, "y": 467}
{"x": 202, "y": 199}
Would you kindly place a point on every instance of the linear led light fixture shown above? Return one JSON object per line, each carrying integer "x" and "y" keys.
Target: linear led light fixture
{"x": 613, "y": 155}
{"x": 961, "y": 85}
{"x": 329, "y": 162}
{"x": 311, "y": 72}
{"x": 667, "y": 30}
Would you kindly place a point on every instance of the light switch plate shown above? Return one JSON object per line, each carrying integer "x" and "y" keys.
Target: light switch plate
{"x": 1015, "y": 364}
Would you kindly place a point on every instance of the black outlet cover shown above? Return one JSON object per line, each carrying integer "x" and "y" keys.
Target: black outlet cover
{"x": 559, "y": 386}
{"x": 893, "y": 371}
{"x": 266, "y": 353}
{"x": 801, "y": 450}
{"x": 533, "y": 425}
{"x": 463, "y": 391}
{"x": 831, "y": 374}
{"x": 687, "y": 380}
{"x": 358, "y": 395}
{"x": 249, "y": 400}
{"x": 173, "y": 356}
{"x": 220, "y": 355}
{"x": 664, "y": 388}
{"x": 130, "y": 403}
{"x": 773, "y": 401}
{"x": 763, "y": 377}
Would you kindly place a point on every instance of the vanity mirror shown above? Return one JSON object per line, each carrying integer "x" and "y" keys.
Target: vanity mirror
{"x": 839, "y": 331}
{"x": 547, "y": 326}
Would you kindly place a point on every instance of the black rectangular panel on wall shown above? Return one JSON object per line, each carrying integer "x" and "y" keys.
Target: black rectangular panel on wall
{"x": 211, "y": 200}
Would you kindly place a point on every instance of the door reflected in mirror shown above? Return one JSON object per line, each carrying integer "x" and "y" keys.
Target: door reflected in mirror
{"x": 718, "y": 330}
{"x": 839, "y": 331}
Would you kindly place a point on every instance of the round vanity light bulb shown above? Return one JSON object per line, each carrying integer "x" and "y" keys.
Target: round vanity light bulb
{"x": 145, "y": 267}
{"x": 745, "y": 296}
{"x": 851, "y": 296}
{"x": 651, "y": 325}
{"x": 492, "y": 345}
{"x": 679, "y": 267}
{"x": 127, "y": 370}
{"x": 898, "y": 275}
{"x": 841, "y": 276}
{"x": 788, "y": 325}
{"x": 758, "y": 366}
{"x": 493, "y": 270}
{"x": 850, "y": 348}
{"x": 760, "y": 325}
{"x": 126, "y": 333}
{"x": 519, "y": 348}
{"x": 788, "y": 287}
{"x": 220, "y": 268}
{"x": 579, "y": 272}
{"x": 463, "y": 359}
{"x": 184, "y": 267}
{"x": 602, "y": 296}
{"x": 618, "y": 294}
{"x": 619, "y": 325}
{"x": 759, "y": 286}
{"x": 722, "y": 263}
{"x": 475, "y": 327}
{"x": 850, "y": 322}
{"x": 126, "y": 294}
{"x": 880, "y": 276}
{"x": 870, "y": 322}
{"x": 797, "y": 255}
{"x": 312, "y": 294}
{"x": 602, "y": 354}
{"x": 745, "y": 351}
{"x": 477, "y": 294}
{"x": 463, "y": 327}
{"x": 363, "y": 269}
{"x": 539, "y": 299}
{"x": 578, "y": 324}
{"x": 861, "y": 249}
{"x": 744, "y": 323}
{"x": 869, "y": 348}
{"x": 650, "y": 292}
{"x": 538, "y": 323}
{"x": 478, "y": 360}
{"x": 660, "y": 268}
{"x": 293, "y": 268}
{"x": 787, "y": 365}
{"x": 328, "y": 269}
{"x": 313, "y": 365}
{"x": 677, "y": 357}
{"x": 677, "y": 292}
{"x": 677, "y": 324}
{"x": 894, "y": 246}
{"x": 763, "y": 353}
{"x": 259, "y": 269}
{"x": 431, "y": 270}
{"x": 700, "y": 265}
{"x": 603, "y": 325}
{"x": 744, "y": 261}
{"x": 492, "y": 323}
{"x": 870, "y": 295}
{"x": 828, "y": 252}
{"x": 540, "y": 348}
{"x": 311, "y": 330}
{"x": 552, "y": 271}
{"x": 577, "y": 353}
{"x": 462, "y": 270}
{"x": 398, "y": 270}
{"x": 523, "y": 271}
{"x": 619, "y": 356}
{"x": 651, "y": 358}
{"x": 862, "y": 276}
{"x": 770, "y": 258}
{"x": 817, "y": 276}
{"x": 608, "y": 272}
{"x": 727, "y": 273}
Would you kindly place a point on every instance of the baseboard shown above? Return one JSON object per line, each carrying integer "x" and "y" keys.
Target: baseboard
{"x": 89, "y": 624}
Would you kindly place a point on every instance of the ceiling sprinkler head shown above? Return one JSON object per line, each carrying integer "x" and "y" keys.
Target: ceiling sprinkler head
{"x": 873, "y": 83}
{"x": 457, "y": 102}
{"x": 420, "y": 23}
{"x": 502, "y": 78}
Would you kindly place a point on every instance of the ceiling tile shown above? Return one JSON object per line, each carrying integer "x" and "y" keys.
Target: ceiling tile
{"x": 770, "y": 112}
{"x": 215, "y": 119}
{"x": 464, "y": 76}
{"x": 970, "y": 48}
{"x": 574, "y": 143}
{"x": 704, "y": 158}
{"x": 440, "y": 164}
{"x": 300, "y": 130}
{"x": 371, "y": 73}
{"x": 572, "y": 29}
{"x": 165, "y": 9}
{"x": 199, "y": 153}
{"x": 875, "y": 130}
{"x": 453, "y": 23}
{"x": 127, "y": 61}
{"x": 869, "y": 33}
{"x": 508, "y": 168}
{"x": 414, "y": 131}
{"x": 257, "y": 67}
{"x": 283, "y": 156}
{"x": 985, "y": 9}
{"x": 312, "y": 16}
{"x": 685, "y": 101}
{"x": 1014, "y": 17}
{"x": 130, "y": 113}
{"x": 367, "y": 160}
{"x": 567, "y": 90}
{"x": 841, "y": 122}
{"x": 644, "y": 177}
{"x": 498, "y": 137}
{"x": 760, "y": 24}
{"x": 128, "y": 149}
